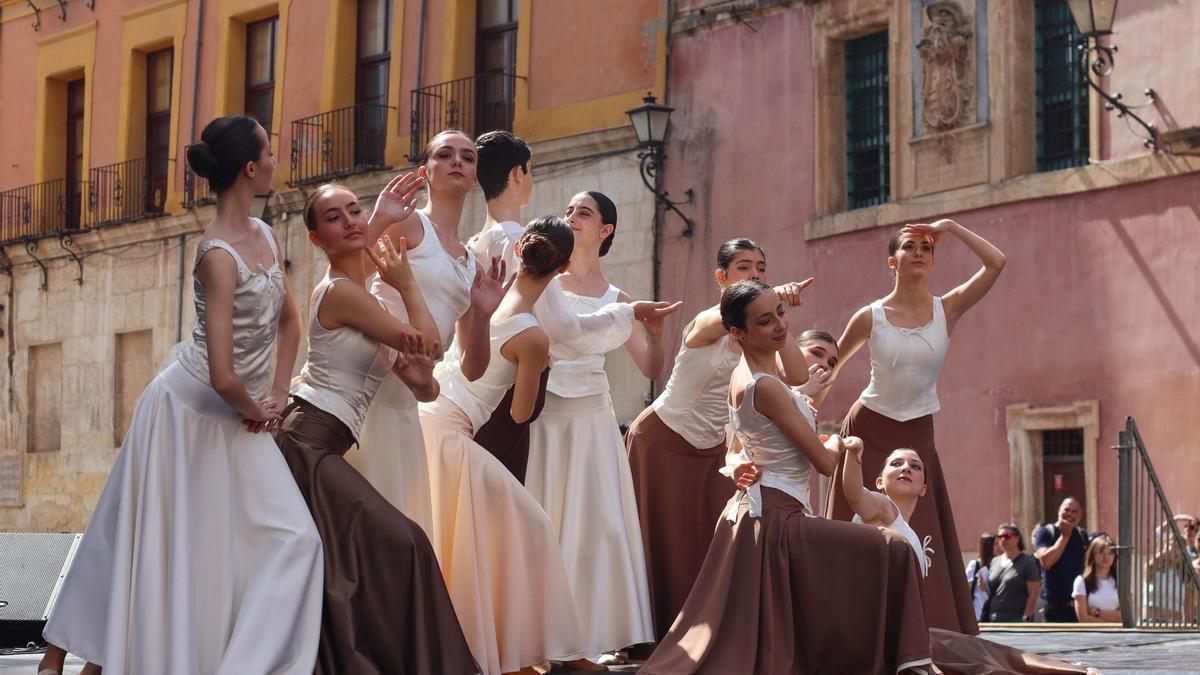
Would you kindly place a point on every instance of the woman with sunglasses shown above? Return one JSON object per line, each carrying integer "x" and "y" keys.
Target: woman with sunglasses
{"x": 1015, "y": 578}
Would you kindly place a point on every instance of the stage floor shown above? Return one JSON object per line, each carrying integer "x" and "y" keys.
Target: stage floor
{"x": 1114, "y": 651}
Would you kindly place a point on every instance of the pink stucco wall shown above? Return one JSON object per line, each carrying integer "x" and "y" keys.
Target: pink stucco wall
{"x": 1098, "y": 301}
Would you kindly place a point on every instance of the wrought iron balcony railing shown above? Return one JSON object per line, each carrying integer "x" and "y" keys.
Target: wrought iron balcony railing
{"x": 475, "y": 105}
{"x": 195, "y": 190}
{"x": 339, "y": 143}
{"x": 38, "y": 209}
{"x": 123, "y": 192}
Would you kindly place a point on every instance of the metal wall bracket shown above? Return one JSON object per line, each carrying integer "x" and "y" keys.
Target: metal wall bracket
{"x": 37, "y": 14}
{"x": 67, "y": 242}
{"x": 62, "y": 10}
{"x": 31, "y": 248}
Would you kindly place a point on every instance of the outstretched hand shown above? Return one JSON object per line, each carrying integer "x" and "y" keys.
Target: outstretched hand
{"x": 415, "y": 369}
{"x": 488, "y": 289}
{"x": 398, "y": 199}
{"x": 392, "y": 262}
{"x": 648, "y": 311}
{"x": 789, "y": 293}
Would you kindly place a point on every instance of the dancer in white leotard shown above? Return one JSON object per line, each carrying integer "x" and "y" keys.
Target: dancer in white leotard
{"x": 496, "y": 546}
{"x": 201, "y": 556}
{"x": 461, "y": 298}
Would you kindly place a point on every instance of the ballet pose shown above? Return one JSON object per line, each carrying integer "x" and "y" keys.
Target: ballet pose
{"x": 899, "y": 487}
{"x": 497, "y": 548}
{"x": 779, "y": 591}
{"x": 386, "y": 607}
{"x": 459, "y": 295}
{"x": 909, "y": 333}
{"x": 201, "y": 556}
{"x": 676, "y": 447}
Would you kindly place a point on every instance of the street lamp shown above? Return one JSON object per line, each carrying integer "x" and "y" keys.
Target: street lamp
{"x": 1094, "y": 18}
{"x": 650, "y": 121}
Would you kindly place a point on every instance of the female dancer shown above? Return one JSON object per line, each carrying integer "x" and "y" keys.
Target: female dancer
{"x": 386, "y": 605}
{"x": 201, "y": 556}
{"x": 577, "y": 467}
{"x": 771, "y": 596}
{"x": 496, "y": 546}
{"x": 909, "y": 332}
{"x": 900, "y": 485}
{"x": 459, "y": 296}
{"x": 677, "y": 445}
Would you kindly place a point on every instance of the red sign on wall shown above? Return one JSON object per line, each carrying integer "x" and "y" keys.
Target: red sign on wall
{"x": 1058, "y": 481}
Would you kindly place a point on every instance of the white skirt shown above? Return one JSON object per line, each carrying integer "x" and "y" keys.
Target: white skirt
{"x": 579, "y": 472}
{"x": 201, "y": 555}
{"x": 391, "y": 454}
{"x": 497, "y": 551}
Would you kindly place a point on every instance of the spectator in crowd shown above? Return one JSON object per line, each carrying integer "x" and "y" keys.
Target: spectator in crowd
{"x": 977, "y": 573}
{"x": 1059, "y": 547}
{"x": 1169, "y": 595}
{"x": 1095, "y": 591}
{"x": 1014, "y": 578}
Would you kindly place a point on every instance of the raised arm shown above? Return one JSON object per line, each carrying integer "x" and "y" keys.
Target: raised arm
{"x": 472, "y": 329}
{"x": 872, "y": 507}
{"x": 857, "y": 332}
{"x": 705, "y": 329}
{"x": 963, "y": 297}
{"x": 395, "y": 206}
{"x": 773, "y": 401}
{"x": 217, "y": 272}
{"x": 791, "y": 361}
{"x": 530, "y": 349}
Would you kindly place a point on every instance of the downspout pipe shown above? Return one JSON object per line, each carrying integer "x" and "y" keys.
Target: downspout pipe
{"x": 191, "y": 139}
{"x": 413, "y": 115}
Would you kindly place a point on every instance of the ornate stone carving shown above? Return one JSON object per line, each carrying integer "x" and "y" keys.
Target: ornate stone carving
{"x": 948, "y": 84}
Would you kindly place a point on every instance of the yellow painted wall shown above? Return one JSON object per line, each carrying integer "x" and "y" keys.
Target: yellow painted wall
{"x": 144, "y": 30}
{"x": 62, "y": 58}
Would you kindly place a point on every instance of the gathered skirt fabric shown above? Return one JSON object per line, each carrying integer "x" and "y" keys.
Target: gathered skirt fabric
{"x": 200, "y": 556}
{"x": 579, "y": 473}
{"x": 958, "y": 654}
{"x": 508, "y": 439}
{"x": 680, "y": 494}
{"x": 947, "y": 593}
{"x": 790, "y": 594}
{"x": 391, "y": 452}
{"x": 497, "y": 551}
{"x": 386, "y": 611}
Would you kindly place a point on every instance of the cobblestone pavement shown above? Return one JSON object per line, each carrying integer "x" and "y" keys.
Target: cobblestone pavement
{"x": 1114, "y": 652}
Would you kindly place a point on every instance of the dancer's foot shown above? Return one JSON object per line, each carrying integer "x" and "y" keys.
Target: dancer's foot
{"x": 52, "y": 661}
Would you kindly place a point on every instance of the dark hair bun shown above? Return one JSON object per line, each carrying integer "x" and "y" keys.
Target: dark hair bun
{"x": 538, "y": 254}
{"x": 200, "y": 158}
{"x": 546, "y": 246}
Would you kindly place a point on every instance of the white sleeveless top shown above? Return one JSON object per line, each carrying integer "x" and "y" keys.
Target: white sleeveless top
{"x": 257, "y": 301}
{"x": 901, "y": 527}
{"x": 480, "y": 398}
{"x": 343, "y": 368}
{"x": 446, "y": 286}
{"x": 905, "y": 363}
{"x": 584, "y": 375}
{"x": 783, "y": 465}
{"x": 695, "y": 402}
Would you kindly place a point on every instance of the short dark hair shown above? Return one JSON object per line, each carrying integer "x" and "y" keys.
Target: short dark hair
{"x": 1015, "y": 530}
{"x": 731, "y": 248}
{"x": 226, "y": 145}
{"x": 499, "y": 153}
{"x": 608, "y": 216}
{"x": 736, "y": 299}
{"x": 546, "y": 245}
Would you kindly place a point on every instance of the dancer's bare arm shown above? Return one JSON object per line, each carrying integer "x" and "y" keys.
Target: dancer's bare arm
{"x": 530, "y": 349}
{"x": 773, "y": 401}
{"x": 872, "y": 507}
{"x": 963, "y": 297}
{"x": 645, "y": 343}
{"x": 857, "y": 332}
{"x": 792, "y": 364}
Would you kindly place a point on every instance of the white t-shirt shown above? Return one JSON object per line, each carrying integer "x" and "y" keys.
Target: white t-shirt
{"x": 1104, "y": 598}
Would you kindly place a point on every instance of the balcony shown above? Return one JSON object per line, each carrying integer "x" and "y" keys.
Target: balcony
{"x": 124, "y": 192}
{"x": 39, "y": 209}
{"x": 195, "y": 190}
{"x": 339, "y": 143}
{"x": 472, "y": 104}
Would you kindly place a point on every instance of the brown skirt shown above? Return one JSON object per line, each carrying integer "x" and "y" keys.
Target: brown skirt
{"x": 786, "y": 593}
{"x": 947, "y": 593}
{"x": 507, "y": 439}
{"x": 958, "y": 654}
{"x": 386, "y": 606}
{"x": 680, "y": 495}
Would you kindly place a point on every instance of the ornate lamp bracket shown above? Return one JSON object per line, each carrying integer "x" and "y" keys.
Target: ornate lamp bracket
{"x": 67, "y": 242}
{"x": 1098, "y": 61}
{"x": 31, "y": 248}
{"x": 651, "y": 163}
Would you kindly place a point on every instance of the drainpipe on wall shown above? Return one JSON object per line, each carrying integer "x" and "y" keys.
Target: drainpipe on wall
{"x": 413, "y": 150}
{"x": 196, "y": 72}
{"x": 656, "y": 227}
{"x": 179, "y": 291}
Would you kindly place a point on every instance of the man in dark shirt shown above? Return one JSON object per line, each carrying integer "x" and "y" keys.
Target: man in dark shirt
{"x": 1060, "y": 548}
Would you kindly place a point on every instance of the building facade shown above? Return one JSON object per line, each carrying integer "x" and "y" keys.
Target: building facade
{"x": 820, "y": 127}
{"x": 99, "y": 216}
